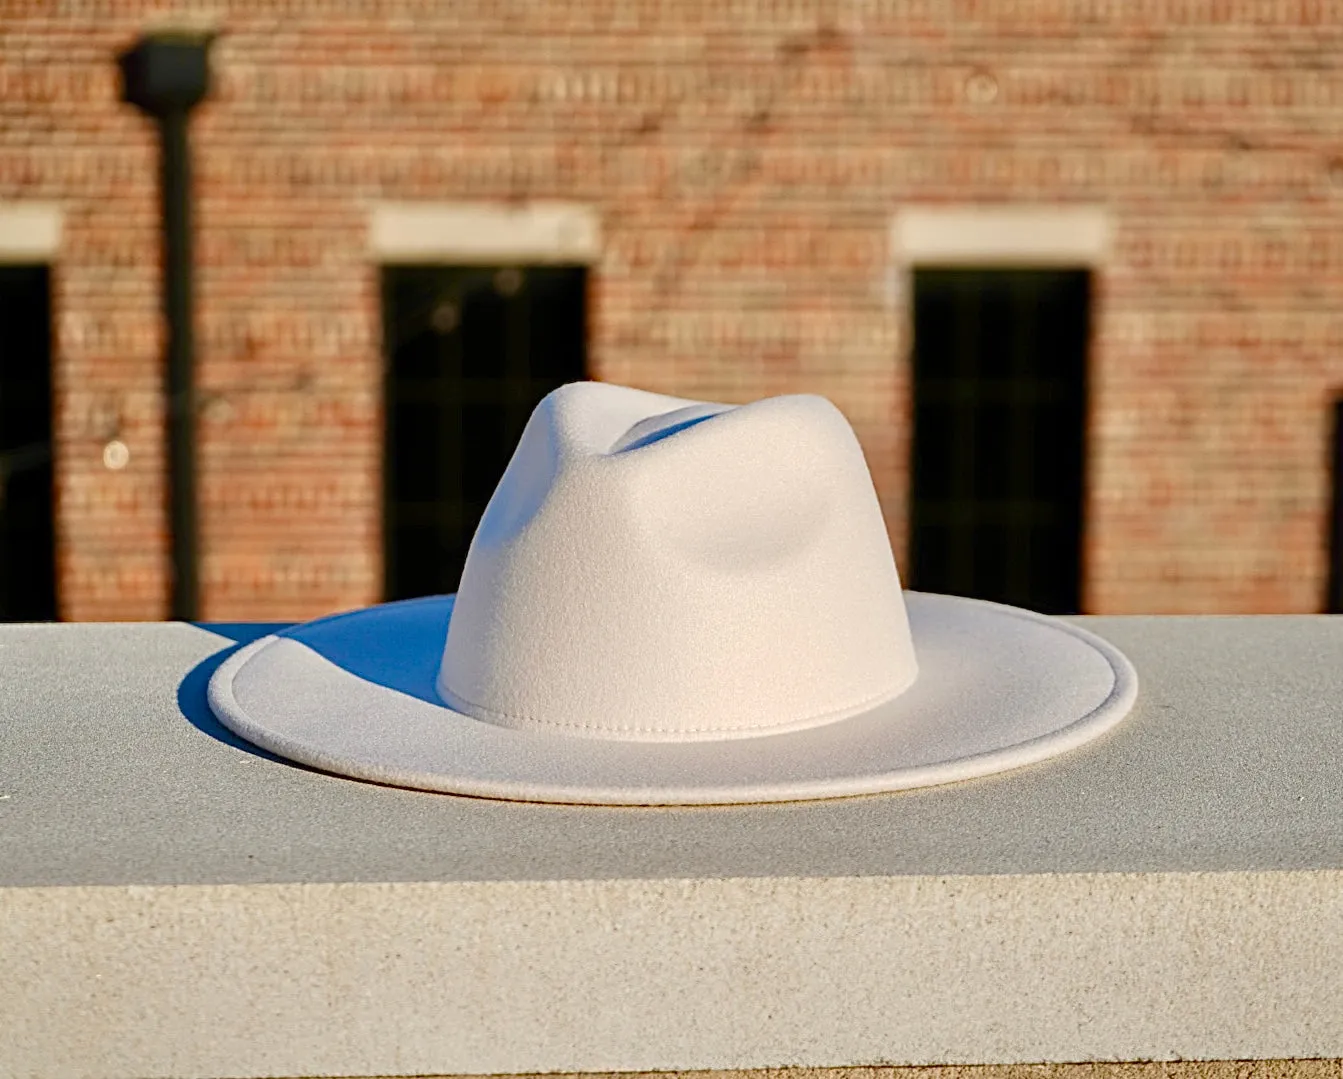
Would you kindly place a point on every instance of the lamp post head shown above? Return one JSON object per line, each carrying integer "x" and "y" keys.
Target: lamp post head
{"x": 167, "y": 71}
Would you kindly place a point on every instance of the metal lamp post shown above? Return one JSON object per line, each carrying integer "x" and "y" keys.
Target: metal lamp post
{"x": 167, "y": 75}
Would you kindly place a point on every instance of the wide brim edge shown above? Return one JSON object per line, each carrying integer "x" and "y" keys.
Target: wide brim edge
{"x": 1086, "y": 728}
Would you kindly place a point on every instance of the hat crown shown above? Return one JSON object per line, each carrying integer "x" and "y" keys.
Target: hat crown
{"x": 658, "y": 569}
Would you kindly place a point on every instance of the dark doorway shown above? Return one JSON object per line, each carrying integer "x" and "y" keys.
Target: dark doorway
{"x": 1333, "y": 603}
{"x": 1000, "y": 361}
{"x": 27, "y": 533}
{"x": 471, "y": 350}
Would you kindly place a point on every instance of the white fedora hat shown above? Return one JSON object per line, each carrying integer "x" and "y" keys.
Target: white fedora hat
{"x": 673, "y": 602}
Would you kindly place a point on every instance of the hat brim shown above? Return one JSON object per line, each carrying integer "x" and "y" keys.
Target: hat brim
{"x": 998, "y": 688}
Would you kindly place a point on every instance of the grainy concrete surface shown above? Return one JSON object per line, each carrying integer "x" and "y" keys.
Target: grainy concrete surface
{"x": 175, "y": 904}
{"x": 1189, "y": 1069}
{"x": 114, "y": 772}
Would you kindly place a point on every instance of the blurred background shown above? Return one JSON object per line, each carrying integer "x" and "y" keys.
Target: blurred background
{"x": 1070, "y": 267}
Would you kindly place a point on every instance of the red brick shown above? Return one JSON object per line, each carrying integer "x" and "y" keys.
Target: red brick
{"x": 746, "y": 157}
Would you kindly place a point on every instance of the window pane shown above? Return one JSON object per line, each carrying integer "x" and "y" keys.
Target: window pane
{"x": 999, "y": 406}
{"x": 472, "y": 350}
{"x": 27, "y": 534}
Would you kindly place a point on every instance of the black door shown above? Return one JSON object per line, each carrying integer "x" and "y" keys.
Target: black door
{"x": 27, "y": 535}
{"x": 1333, "y": 603}
{"x": 1000, "y": 361}
{"x": 471, "y": 351}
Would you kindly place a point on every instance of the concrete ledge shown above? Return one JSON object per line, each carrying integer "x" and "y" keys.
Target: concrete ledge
{"x": 1001, "y": 235}
{"x": 1200, "y": 1069}
{"x": 539, "y": 232}
{"x": 173, "y": 903}
{"x": 29, "y": 231}
{"x": 1193, "y": 1069}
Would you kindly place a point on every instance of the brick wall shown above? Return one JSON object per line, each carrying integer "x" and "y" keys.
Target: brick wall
{"x": 745, "y": 157}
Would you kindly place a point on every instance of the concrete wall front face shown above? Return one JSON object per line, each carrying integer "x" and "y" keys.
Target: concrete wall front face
{"x": 746, "y": 159}
{"x": 1211, "y": 1069}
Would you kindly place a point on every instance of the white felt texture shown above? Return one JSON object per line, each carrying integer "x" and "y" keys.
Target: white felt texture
{"x": 998, "y": 688}
{"x": 657, "y": 569}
